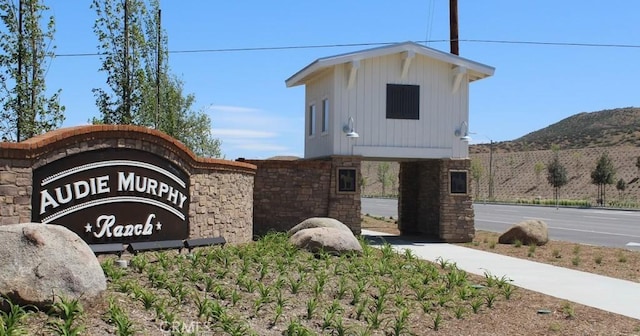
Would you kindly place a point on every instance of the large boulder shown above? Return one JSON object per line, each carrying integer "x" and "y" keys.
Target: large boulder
{"x": 40, "y": 262}
{"x": 532, "y": 231}
{"x": 318, "y": 222}
{"x": 331, "y": 240}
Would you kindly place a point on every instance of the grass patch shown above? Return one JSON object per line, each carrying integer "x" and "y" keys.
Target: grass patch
{"x": 622, "y": 257}
{"x": 575, "y": 261}
{"x": 597, "y": 259}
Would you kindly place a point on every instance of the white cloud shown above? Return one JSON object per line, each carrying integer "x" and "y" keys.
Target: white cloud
{"x": 242, "y": 133}
{"x": 255, "y": 132}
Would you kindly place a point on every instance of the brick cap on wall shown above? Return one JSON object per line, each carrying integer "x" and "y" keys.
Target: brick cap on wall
{"x": 37, "y": 146}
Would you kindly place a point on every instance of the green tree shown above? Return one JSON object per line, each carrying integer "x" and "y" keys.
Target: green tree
{"x": 621, "y": 186}
{"x": 384, "y": 176}
{"x": 363, "y": 184}
{"x": 602, "y": 175}
{"x": 476, "y": 173}
{"x": 556, "y": 175}
{"x": 26, "y": 50}
{"x": 537, "y": 169}
{"x": 118, "y": 27}
{"x": 144, "y": 92}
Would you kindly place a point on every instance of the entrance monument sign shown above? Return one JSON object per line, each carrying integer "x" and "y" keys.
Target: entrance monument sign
{"x": 122, "y": 195}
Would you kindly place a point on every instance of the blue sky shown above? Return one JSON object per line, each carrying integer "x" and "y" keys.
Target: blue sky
{"x": 256, "y": 116}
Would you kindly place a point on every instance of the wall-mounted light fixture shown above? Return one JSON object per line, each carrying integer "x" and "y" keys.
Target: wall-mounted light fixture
{"x": 349, "y": 129}
{"x": 463, "y": 132}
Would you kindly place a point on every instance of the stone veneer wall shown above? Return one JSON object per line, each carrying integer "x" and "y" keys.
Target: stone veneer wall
{"x": 288, "y": 192}
{"x": 456, "y": 210}
{"x": 426, "y": 206}
{"x": 221, "y": 190}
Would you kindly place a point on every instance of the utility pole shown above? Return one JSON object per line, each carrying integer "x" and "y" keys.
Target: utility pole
{"x": 490, "y": 169}
{"x": 126, "y": 91}
{"x": 158, "y": 60}
{"x": 30, "y": 130}
{"x": 19, "y": 83}
{"x": 453, "y": 26}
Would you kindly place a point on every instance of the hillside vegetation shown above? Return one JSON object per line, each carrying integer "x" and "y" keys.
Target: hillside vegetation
{"x": 519, "y": 166}
{"x": 606, "y": 128}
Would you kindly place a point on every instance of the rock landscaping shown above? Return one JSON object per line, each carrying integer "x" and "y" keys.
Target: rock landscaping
{"x": 40, "y": 263}
{"x": 527, "y": 232}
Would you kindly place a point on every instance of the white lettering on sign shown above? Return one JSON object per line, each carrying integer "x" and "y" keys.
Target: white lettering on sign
{"x": 65, "y": 193}
{"x": 143, "y": 184}
{"x": 127, "y": 182}
{"x": 106, "y": 224}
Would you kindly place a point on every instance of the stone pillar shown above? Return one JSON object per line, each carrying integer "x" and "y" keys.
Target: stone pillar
{"x": 345, "y": 206}
{"x": 15, "y": 191}
{"x": 426, "y": 206}
{"x": 456, "y": 209}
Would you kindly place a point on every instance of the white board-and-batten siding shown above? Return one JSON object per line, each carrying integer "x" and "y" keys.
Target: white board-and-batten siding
{"x": 320, "y": 144}
{"x": 442, "y": 110}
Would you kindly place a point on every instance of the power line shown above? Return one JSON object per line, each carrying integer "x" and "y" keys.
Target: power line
{"x": 319, "y": 46}
{"x": 193, "y": 51}
{"x": 564, "y": 44}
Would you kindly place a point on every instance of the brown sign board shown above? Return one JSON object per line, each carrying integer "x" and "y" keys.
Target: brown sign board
{"x": 113, "y": 195}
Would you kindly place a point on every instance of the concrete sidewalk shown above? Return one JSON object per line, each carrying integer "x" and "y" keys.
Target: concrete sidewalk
{"x": 609, "y": 294}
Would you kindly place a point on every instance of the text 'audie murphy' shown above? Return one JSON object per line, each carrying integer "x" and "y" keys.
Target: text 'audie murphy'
{"x": 127, "y": 182}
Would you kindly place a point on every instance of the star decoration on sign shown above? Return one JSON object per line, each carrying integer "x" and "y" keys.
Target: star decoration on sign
{"x": 158, "y": 226}
{"x": 87, "y": 227}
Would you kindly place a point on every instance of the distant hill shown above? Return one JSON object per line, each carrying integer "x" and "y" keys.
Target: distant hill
{"x": 607, "y": 128}
{"x": 581, "y": 139}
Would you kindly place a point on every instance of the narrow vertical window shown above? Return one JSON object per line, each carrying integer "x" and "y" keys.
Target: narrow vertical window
{"x": 312, "y": 120}
{"x": 325, "y": 115}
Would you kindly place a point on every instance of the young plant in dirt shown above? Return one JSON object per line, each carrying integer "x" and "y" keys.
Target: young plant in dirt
{"x": 361, "y": 307}
{"x": 235, "y": 297}
{"x": 507, "y": 291}
{"x": 147, "y": 297}
{"x": 568, "y": 310}
{"x": 476, "y": 304}
{"x": 459, "y": 312}
{"x": 490, "y": 299}
{"x": 400, "y": 323}
{"x": 178, "y": 291}
{"x": 139, "y": 262}
{"x": 11, "y": 320}
{"x": 339, "y": 328}
{"x": 111, "y": 271}
{"x": 312, "y": 305}
{"x": 117, "y": 317}
{"x": 296, "y": 283}
{"x": 295, "y": 328}
{"x": 66, "y": 313}
{"x": 437, "y": 321}
{"x": 203, "y": 305}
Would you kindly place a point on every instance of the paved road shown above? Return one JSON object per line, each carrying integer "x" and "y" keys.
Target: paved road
{"x": 599, "y": 227}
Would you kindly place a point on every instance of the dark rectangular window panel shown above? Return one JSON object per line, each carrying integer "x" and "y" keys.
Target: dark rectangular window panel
{"x": 458, "y": 182}
{"x": 312, "y": 120}
{"x": 403, "y": 101}
{"x": 346, "y": 180}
